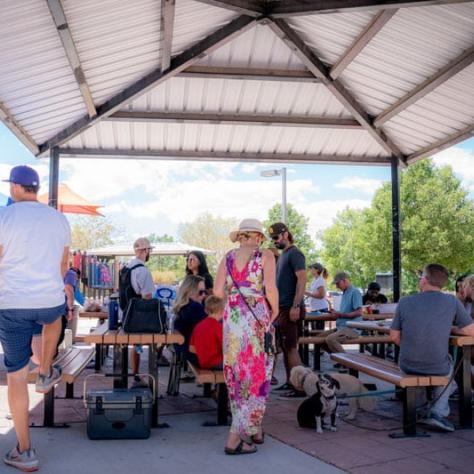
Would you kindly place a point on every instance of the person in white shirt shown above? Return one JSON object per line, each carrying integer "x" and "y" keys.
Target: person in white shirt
{"x": 34, "y": 249}
{"x": 317, "y": 292}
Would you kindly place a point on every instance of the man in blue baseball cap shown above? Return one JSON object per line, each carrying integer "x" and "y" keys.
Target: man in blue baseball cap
{"x": 34, "y": 251}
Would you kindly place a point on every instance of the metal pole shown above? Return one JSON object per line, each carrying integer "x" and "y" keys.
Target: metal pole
{"x": 283, "y": 196}
{"x": 53, "y": 177}
{"x": 396, "y": 253}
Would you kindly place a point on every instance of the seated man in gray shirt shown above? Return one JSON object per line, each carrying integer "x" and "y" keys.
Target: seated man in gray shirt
{"x": 421, "y": 327}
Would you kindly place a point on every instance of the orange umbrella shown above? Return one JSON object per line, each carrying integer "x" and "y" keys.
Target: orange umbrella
{"x": 72, "y": 203}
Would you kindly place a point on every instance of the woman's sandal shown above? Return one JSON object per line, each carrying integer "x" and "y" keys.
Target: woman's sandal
{"x": 257, "y": 440}
{"x": 239, "y": 449}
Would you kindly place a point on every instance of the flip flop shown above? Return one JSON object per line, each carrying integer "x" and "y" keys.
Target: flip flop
{"x": 240, "y": 449}
{"x": 256, "y": 440}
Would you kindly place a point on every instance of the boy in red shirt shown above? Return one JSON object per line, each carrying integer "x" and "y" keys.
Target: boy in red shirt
{"x": 206, "y": 340}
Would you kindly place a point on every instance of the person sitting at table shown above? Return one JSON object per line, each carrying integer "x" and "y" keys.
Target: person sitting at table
{"x": 350, "y": 310}
{"x": 429, "y": 316}
{"x": 189, "y": 310}
{"x": 317, "y": 292}
{"x": 373, "y": 295}
{"x": 467, "y": 292}
{"x": 207, "y": 338}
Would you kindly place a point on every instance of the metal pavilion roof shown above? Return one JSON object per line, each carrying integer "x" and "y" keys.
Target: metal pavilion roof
{"x": 356, "y": 81}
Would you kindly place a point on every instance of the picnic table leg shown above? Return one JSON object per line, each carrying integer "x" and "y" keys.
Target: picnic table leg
{"x": 317, "y": 357}
{"x": 464, "y": 384}
{"x": 409, "y": 416}
{"x": 153, "y": 371}
{"x": 48, "y": 420}
{"x": 120, "y": 364}
{"x": 222, "y": 404}
{"x": 98, "y": 357}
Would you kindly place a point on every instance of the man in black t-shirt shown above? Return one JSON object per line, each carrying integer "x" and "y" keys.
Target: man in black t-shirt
{"x": 373, "y": 295}
{"x": 291, "y": 283}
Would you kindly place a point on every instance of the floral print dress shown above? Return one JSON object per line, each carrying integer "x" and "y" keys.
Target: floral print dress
{"x": 247, "y": 368}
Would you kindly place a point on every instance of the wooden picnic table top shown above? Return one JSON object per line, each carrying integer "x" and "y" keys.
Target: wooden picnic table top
{"x": 384, "y": 328}
{"x": 377, "y": 317}
{"x": 103, "y": 335}
{"x": 321, "y": 317}
{"x": 94, "y": 314}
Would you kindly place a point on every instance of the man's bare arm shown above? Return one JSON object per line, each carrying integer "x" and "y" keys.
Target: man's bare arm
{"x": 395, "y": 336}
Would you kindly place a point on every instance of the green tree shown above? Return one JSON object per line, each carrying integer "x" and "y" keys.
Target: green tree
{"x": 437, "y": 225}
{"x": 166, "y": 268}
{"x": 209, "y": 232}
{"x": 297, "y": 225}
{"x": 89, "y": 232}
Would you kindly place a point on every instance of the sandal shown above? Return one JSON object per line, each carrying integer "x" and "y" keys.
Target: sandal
{"x": 240, "y": 449}
{"x": 257, "y": 440}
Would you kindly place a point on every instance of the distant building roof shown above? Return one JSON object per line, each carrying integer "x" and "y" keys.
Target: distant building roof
{"x": 164, "y": 248}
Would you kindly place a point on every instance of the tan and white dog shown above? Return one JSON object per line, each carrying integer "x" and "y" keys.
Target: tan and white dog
{"x": 304, "y": 379}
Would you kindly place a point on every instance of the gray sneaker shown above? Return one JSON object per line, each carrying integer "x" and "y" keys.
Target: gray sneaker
{"x": 439, "y": 422}
{"x": 44, "y": 384}
{"x": 27, "y": 461}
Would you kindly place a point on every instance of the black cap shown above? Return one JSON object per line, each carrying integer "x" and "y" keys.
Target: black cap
{"x": 277, "y": 229}
{"x": 374, "y": 286}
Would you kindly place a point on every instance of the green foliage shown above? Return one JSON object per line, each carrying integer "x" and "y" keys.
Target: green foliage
{"x": 164, "y": 268}
{"x": 437, "y": 225}
{"x": 298, "y": 226}
{"x": 88, "y": 232}
{"x": 211, "y": 233}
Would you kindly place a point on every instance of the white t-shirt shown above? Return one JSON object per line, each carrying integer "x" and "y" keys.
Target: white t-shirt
{"x": 33, "y": 237}
{"x": 317, "y": 304}
{"x": 141, "y": 279}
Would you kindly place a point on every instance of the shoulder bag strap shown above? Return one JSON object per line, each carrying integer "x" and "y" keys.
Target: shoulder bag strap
{"x": 240, "y": 292}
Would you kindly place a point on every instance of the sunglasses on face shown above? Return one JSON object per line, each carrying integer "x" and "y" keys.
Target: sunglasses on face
{"x": 202, "y": 292}
{"x": 276, "y": 237}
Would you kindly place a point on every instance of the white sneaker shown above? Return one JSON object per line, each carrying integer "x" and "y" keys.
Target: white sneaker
{"x": 27, "y": 461}
{"x": 438, "y": 422}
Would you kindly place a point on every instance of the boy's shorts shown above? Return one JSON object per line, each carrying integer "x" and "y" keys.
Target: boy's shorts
{"x": 17, "y": 327}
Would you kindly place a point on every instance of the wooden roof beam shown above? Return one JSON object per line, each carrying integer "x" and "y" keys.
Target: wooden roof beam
{"x": 379, "y": 21}
{"x": 249, "y": 74}
{"x": 64, "y": 32}
{"x": 192, "y": 155}
{"x": 433, "y": 82}
{"x": 320, "y": 70}
{"x": 236, "y": 119}
{"x": 178, "y": 64}
{"x": 166, "y": 30}
{"x": 243, "y": 7}
{"x": 441, "y": 145}
{"x": 286, "y": 8}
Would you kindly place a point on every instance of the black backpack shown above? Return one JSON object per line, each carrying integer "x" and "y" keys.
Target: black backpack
{"x": 126, "y": 291}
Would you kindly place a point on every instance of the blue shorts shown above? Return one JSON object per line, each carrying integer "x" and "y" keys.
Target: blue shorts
{"x": 17, "y": 327}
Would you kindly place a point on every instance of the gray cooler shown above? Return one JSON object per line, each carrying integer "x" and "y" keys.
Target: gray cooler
{"x": 119, "y": 413}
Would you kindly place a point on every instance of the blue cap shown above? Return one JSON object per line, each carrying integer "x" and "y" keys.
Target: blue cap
{"x": 23, "y": 175}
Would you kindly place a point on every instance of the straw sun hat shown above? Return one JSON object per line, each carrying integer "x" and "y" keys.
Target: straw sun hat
{"x": 247, "y": 225}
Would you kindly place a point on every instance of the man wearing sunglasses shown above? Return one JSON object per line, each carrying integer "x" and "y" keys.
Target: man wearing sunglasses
{"x": 291, "y": 283}
{"x": 142, "y": 284}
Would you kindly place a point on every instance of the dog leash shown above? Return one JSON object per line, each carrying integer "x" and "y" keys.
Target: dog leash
{"x": 366, "y": 394}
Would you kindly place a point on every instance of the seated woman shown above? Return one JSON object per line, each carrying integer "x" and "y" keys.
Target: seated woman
{"x": 189, "y": 310}
{"x": 207, "y": 338}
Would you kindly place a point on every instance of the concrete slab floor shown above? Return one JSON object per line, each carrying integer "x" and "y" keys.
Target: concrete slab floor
{"x": 183, "y": 448}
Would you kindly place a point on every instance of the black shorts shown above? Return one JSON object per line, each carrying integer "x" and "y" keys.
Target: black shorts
{"x": 287, "y": 331}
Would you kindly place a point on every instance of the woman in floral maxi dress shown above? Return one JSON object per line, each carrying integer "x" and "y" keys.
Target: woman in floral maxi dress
{"x": 247, "y": 368}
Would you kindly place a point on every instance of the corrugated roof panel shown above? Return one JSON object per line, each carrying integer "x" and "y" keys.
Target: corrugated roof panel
{"x": 36, "y": 83}
{"x": 225, "y": 137}
{"x": 118, "y": 41}
{"x": 415, "y": 44}
{"x": 330, "y": 35}
{"x": 194, "y": 21}
{"x": 441, "y": 113}
{"x": 228, "y": 96}
{"x": 258, "y": 47}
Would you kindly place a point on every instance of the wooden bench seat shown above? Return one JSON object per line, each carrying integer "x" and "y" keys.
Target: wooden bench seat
{"x": 207, "y": 376}
{"x": 318, "y": 341}
{"x": 391, "y": 373}
{"x": 72, "y": 361}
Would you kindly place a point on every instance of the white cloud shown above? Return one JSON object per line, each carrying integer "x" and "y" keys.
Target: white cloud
{"x": 462, "y": 162}
{"x": 363, "y": 185}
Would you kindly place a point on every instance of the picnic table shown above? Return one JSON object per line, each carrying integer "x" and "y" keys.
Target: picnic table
{"x": 319, "y": 319}
{"x": 377, "y": 316}
{"x": 461, "y": 346}
{"x": 101, "y": 315}
{"x": 120, "y": 340}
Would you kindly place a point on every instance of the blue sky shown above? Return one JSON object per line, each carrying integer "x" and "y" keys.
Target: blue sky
{"x": 156, "y": 196}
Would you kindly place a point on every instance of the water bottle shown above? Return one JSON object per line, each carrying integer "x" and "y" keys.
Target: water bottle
{"x": 170, "y": 321}
{"x": 113, "y": 313}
